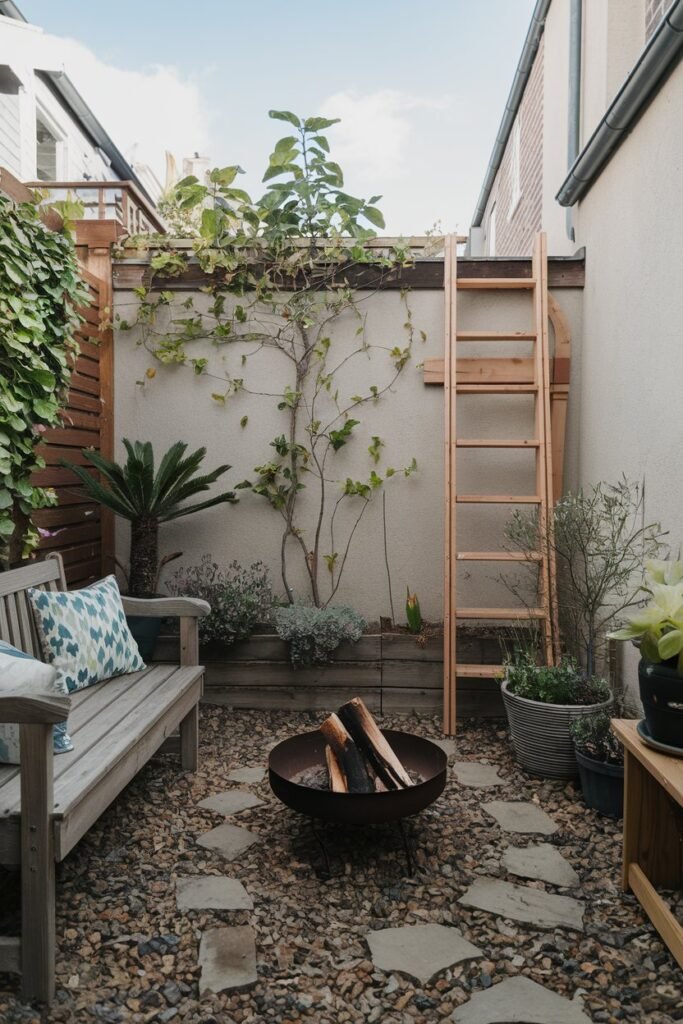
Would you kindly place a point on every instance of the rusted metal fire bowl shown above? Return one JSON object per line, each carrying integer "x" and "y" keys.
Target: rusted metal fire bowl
{"x": 419, "y": 756}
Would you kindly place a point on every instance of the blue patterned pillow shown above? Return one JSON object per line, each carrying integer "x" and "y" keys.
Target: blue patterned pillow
{"x": 84, "y": 634}
{"x": 16, "y": 670}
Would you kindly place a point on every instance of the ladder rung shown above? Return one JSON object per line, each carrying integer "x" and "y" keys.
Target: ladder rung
{"x": 498, "y": 556}
{"x": 497, "y": 283}
{"x": 500, "y": 613}
{"x": 496, "y": 389}
{"x": 496, "y": 336}
{"x": 498, "y": 499}
{"x": 479, "y": 671}
{"x": 485, "y": 443}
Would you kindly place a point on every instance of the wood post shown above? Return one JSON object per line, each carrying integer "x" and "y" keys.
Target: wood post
{"x": 189, "y": 727}
{"x": 37, "y": 863}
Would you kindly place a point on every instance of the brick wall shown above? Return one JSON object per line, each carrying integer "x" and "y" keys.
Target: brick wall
{"x": 654, "y": 12}
{"x": 517, "y": 222}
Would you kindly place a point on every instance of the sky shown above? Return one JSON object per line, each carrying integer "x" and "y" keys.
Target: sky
{"x": 420, "y": 87}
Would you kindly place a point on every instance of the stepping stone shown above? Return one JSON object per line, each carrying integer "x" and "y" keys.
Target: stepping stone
{"x": 518, "y": 816}
{"x": 229, "y": 840}
{"x": 230, "y": 802}
{"x": 227, "y": 958}
{"x": 448, "y": 746}
{"x": 419, "y": 950}
{"x": 544, "y": 862}
{"x": 477, "y": 775}
{"x": 520, "y": 903}
{"x": 520, "y": 1001}
{"x": 249, "y": 775}
{"x": 213, "y": 892}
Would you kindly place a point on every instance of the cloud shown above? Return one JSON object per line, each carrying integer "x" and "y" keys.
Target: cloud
{"x": 373, "y": 139}
{"x": 146, "y": 112}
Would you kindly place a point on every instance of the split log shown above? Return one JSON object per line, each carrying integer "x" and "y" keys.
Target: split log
{"x": 368, "y": 738}
{"x": 337, "y": 780}
{"x": 352, "y": 762}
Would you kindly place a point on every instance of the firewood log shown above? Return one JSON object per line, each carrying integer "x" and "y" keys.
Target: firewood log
{"x": 337, "y": 780}
{"x": 364, "y": 730}
{"x": 351, "y": 760}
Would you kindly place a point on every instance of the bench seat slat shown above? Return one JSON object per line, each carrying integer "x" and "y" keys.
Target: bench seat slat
{"x": 108, "y": 719}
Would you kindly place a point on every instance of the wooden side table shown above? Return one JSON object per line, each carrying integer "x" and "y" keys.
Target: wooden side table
{"x": 653, "y": 830}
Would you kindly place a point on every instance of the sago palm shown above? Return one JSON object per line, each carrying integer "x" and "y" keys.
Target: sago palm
{"x": 147, "y": 498}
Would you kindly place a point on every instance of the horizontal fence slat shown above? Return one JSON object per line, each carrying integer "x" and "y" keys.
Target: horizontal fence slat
{"x": 84, "y": 403}
{"x": 66, "y": 515}
{"x": 80, "y": 553}
{"x": 87, "y": 367}
{"x": 73, "y": 437}
{"x": 280, "y": 698}
{"x": 58, "y": 476}
{"x": 71, "y": 535}
{"x": 84, "y": 384}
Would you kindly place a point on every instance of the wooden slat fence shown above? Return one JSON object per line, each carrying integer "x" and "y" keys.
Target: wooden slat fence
{"x": 75, "y": 526}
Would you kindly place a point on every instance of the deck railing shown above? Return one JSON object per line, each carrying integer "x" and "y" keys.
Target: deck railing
{"x": 121, "y": 201}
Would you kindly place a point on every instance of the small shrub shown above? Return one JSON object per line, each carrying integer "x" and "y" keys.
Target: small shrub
{"x": 314, "y": 634}
{"x": 553, "y": 684}
{"x": 593, "y": 736}
{"x": 239, "y": 597}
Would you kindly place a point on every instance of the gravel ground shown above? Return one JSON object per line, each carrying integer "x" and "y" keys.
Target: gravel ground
{"x": 126, "y": 954}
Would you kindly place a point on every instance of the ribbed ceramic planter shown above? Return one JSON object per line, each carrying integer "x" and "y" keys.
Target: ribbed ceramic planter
{"x": 540, "y": 733}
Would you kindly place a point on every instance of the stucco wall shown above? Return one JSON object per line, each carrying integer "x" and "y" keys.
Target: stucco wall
{"x": 631, "y": 223}
{"x": 177, "y": 405}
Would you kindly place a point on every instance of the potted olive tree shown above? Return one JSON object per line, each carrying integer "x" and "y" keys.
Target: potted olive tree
{"x": 658, "y": 627}
{"x": 148, "y": 497}
{"x": 541, "y": 701}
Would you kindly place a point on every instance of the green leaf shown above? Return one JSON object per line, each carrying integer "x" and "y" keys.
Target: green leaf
{"x": 319, "y": 124}
{"x": 372, "y": 214}
{"x": 285, "y": 115}
{"x": 671, "y": 644}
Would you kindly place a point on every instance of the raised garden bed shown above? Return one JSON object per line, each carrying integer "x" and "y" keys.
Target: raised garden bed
{"x": 392, "y": 672}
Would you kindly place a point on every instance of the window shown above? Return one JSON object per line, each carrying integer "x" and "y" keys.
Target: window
{"x": 48, "y": 151}
{"x": 492, "y": 232}
{"x": 515, "y": 186}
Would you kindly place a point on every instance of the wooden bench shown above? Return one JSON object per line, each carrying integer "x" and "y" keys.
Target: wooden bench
{"x": 653, "y": 830}
{"x": 116, "y": 726}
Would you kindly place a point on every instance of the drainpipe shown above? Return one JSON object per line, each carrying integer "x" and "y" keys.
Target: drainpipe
{"x": 574, "y": 108}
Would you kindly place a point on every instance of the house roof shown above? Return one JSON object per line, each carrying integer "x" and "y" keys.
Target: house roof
{"x": 68, "y": 95}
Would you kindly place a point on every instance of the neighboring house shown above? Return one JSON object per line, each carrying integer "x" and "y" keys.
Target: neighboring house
{"x": 577, "y": 56}
{"x": 47, "y": 130}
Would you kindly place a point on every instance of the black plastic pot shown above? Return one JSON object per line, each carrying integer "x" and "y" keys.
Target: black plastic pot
{"x": 661, "y": 693}
{"x": 145, "y": 632}
{"x": 602, "y": 785}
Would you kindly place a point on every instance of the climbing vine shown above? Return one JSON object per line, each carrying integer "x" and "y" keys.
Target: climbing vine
{"x": 39, "y": 293}
{"x": 282, "y": 274}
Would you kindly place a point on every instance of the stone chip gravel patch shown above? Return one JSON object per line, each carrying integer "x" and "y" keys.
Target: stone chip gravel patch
{"x": 420, "y": 951}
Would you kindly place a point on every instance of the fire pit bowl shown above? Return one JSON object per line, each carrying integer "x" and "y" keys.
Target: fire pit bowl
{"x": 418, "y": 756}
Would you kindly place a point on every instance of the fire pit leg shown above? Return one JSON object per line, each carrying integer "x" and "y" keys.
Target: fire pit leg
{"x": 410, "y": 863}
{"x": 321, "y": 843}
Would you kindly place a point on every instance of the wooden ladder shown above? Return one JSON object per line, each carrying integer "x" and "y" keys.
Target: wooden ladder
{"x": 537, "y": 385}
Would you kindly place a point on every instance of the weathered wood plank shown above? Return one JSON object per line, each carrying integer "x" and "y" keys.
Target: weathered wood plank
{"x": 360, "y": 674}
{"x": 287, "y": 698}
{"x": 10, "y": 955}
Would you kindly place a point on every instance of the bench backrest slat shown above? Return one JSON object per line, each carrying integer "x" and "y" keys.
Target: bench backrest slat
{"x": 16, "y": 618}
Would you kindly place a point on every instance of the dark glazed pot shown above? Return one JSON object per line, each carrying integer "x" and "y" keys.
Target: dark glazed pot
{"x": 602, "y": 785}
{"x": 145, "y": 630}
{"x": 661, "y": 692}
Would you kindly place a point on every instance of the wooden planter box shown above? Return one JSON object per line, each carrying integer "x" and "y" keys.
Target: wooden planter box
{"x": 390, "y": 671}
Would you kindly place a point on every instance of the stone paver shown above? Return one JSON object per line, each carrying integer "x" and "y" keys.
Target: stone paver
{"x": 227, "y": 958}
{"x": 230, "y": 802}
{"x": 520, "y": 903}
{"x": 448, "y": 746}
{"x": 544, "y": 862}
{"x": 213, "y": 892}
{"x": 419, "y": 950}
{"x": 520, "y": 1001}
{"x": 250, "y": 776}
{"x": 520, "y": 816}
{"x": 476, "y": 774}
{"x": 229, "y": 840}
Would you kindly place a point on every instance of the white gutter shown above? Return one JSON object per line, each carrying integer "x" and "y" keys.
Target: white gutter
{"x": 659, "y": 58}
{"x": 519, "y": 82}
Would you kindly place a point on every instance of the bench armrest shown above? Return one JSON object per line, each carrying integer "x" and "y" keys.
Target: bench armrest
{"x": 166, "y": 607}
{"x": 19, "y": 708}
